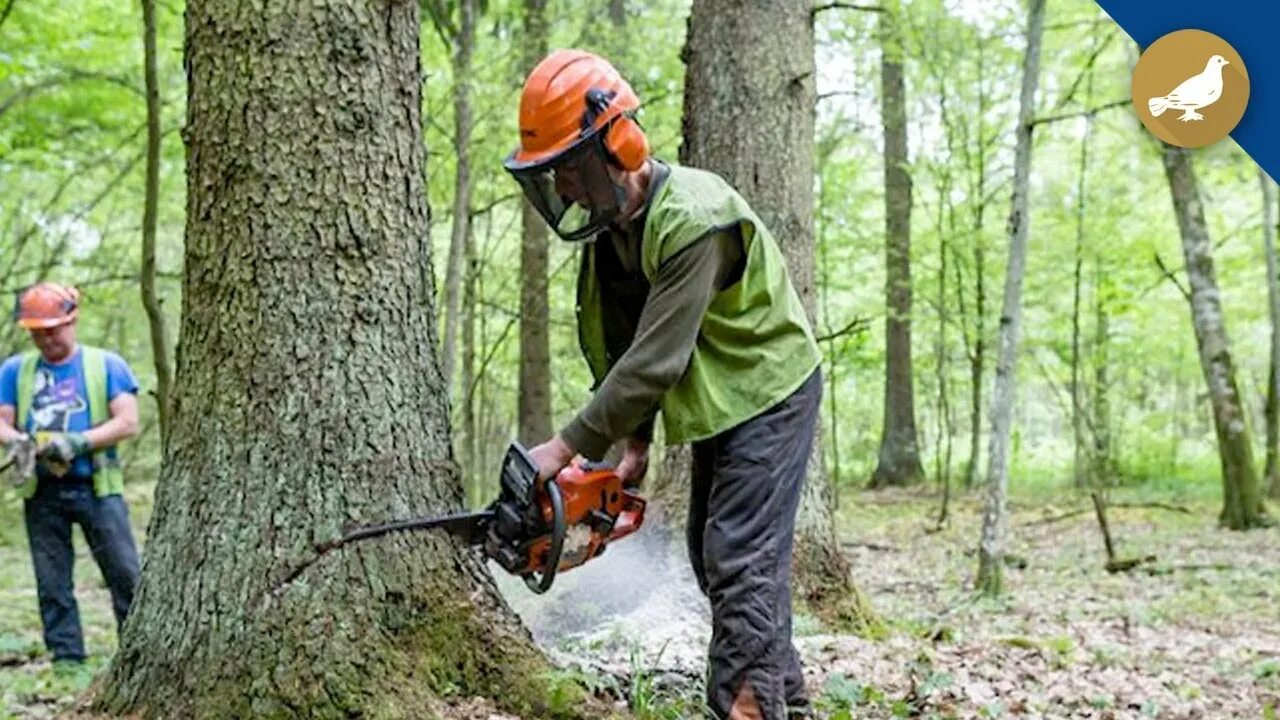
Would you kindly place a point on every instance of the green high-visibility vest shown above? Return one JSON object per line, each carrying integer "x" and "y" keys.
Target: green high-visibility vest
{"x": 107, "y": 477}
{"x": 754, "y": 347}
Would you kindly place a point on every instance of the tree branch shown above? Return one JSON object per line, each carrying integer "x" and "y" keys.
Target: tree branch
{"x": 62, "y": 77}
{"x": 855, "y": 326}
{"x": 1067, "y": 25}
{"x": 493, "y": 350}
{"x": 1076, "y": 513}
{"x": 477, "y": 211}
{"x": 22, "y": 239}
{"x": 1079, "y": 113}
{"x": 1246, "y": 223}
{"x": 442, "y": 21}
{"x": 106, "y": 280}
{"x": 27, "y": 92}
{"x": 1069, "y": 404}
{"x": 835, "y": 93}
{"x": 846, "y": 6}
{"x": 1172, "y": 278}
{"x": 1087, "y": 71}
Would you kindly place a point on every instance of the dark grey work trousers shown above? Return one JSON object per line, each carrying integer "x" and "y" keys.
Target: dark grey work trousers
{"x": 745, "y": 491}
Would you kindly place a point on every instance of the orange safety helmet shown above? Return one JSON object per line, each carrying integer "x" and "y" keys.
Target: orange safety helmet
{"x": 46, "y": 305}
{"x": 577, "y": 115}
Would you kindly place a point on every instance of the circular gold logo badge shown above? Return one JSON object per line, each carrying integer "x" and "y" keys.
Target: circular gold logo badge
{"x": 1190, "y": 88}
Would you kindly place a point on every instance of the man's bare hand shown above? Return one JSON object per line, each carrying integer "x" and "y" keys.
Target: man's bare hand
{"x": 634, "y": 463}
{"x": 551, "y": 457}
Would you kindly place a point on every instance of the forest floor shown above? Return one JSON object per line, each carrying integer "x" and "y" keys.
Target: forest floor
{"x": 1193, "y": 634}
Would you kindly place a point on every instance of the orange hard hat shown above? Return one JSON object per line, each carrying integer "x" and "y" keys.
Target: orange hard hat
{"x": 577, "y": 119}
{"x": 46, "y": 305}
{"x": 571, "y": 96}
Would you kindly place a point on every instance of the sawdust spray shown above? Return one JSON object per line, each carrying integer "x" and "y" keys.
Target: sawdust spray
{"x": 638, "y": 600}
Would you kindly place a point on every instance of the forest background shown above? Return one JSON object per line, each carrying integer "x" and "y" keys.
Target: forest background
{"x": 1111, "y": 393}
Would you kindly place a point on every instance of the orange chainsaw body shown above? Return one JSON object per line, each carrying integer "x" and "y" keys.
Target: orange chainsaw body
{"x": 597, "y": 510}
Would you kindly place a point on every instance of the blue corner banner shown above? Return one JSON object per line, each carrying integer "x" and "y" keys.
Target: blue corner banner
{"x": 1250, "y": 27}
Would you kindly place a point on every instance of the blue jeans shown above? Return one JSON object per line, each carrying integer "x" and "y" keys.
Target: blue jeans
{"x": 105, "y": 524}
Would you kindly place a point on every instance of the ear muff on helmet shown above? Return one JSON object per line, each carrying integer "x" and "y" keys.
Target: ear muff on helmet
{"x": 623, "y": 138}
{"x": 626, "y": 142}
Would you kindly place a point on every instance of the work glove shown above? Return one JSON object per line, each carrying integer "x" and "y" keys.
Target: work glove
{"x": 63, "y": 448}
{"x": 20, "y": 452}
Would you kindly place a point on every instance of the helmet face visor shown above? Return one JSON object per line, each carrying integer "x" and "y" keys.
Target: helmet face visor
{"x": 572, "y": 191}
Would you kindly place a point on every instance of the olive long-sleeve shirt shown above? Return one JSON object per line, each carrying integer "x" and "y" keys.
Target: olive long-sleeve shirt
{"x": 654, "y": 356}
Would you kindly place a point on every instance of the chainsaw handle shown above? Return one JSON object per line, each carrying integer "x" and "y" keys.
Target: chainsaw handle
{"x": 631, "y": 517}
{"x": 594, "y": 465}
{"x": 542, "y": 584}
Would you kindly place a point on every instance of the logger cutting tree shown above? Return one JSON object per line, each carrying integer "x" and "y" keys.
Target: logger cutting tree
{"x": 684, "y": 305}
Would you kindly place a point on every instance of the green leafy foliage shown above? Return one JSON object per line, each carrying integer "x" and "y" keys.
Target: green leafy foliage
{"x": 71, "y": 141}
{"x": 842, "y": 695}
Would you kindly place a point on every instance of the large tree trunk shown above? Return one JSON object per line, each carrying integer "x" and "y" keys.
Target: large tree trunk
{"x": 1241, "y": 502}
{"x": 899, "y": 462}
{"x": 1272, "y": 474}
{"x": 535, "y": 338}
{"x": 749, "y": 110}
{"x": 994, "y": 515}
{"x": 151, "y": 199}
{"x": 308, "y": 397}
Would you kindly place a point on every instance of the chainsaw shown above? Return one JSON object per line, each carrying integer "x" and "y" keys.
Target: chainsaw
{"x": 21, "y": 455}
{"x": 535, "y": 529}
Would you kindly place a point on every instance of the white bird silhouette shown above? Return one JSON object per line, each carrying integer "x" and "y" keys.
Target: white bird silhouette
{"x": 1194, "y": 93}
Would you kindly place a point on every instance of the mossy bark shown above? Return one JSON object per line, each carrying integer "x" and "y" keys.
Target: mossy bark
{"x": 308, "y": 397}
{"x": 823, "y": 576}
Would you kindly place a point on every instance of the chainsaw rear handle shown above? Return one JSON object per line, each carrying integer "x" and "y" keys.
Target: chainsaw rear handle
{"x": 541, "y": 584}
{"x": 594, "y": 465}
{"x": 631, "y": 517}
